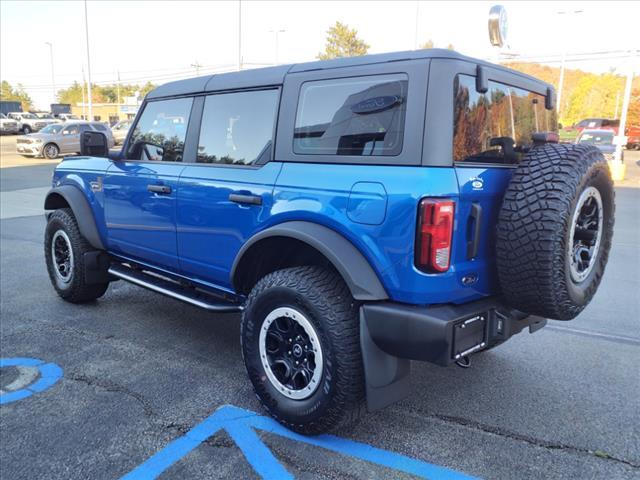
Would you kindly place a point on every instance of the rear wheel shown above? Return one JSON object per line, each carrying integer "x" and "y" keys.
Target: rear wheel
{"x": 301, "y": 347}
{"x": 555, "y": 229}
{"x": 64, "y": 249}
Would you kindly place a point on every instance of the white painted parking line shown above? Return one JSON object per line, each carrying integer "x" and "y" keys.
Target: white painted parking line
{"x": 22, "y": 203}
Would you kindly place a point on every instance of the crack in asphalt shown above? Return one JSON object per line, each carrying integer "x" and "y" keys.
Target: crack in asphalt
{"x": 216, "y": 440}
{"x": 527, "y": 439}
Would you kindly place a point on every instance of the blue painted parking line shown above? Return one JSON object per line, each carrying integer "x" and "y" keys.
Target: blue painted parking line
{"x": 49, "y": 374}
{"x": 241, "y": 425}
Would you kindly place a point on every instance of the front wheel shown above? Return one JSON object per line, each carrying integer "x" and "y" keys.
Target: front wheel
{"x": 301, "y": 346}
{"x": 26, "y": 129}
{"x": 64, "y": 249}
{"x": 51, "y": 151}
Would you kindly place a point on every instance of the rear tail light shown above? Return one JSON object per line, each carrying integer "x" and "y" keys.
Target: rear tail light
{"x": 435, "y": 232}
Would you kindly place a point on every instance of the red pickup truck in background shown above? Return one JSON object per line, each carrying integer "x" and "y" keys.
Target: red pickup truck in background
{"x": 570, "y": 134}
{"x": 633, "y": 138}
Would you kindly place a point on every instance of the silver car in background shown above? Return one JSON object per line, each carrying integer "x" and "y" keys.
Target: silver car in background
{"x": 59, "y": 139}
{"x": 120, "y": 131}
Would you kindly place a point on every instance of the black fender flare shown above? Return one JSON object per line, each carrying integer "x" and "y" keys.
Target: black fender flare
{"x": 362, "y": 280}
{"x": 81, "y": 209}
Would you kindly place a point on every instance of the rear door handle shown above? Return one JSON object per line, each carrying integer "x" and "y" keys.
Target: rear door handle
{"x": 474, "y": 242}
{"x": 247, "y": 199}
{"x": 160, "y": 189}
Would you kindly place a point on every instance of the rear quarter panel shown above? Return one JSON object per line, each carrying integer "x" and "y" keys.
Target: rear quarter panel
{"x": 320, "y": 193}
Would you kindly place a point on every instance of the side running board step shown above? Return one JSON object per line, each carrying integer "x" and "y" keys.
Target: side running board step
{"x": 173, "y": 290}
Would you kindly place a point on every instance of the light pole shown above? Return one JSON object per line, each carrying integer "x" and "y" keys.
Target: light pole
{"x": 276, "y": 32}
{"x": 86, "y": 31}
{"x": 564, "y": 58}
{"x": 239, "y": 35}
{"x": 53, "y": 78}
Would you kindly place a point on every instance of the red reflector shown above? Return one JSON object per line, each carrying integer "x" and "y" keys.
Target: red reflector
{"x": 435, "y": 231}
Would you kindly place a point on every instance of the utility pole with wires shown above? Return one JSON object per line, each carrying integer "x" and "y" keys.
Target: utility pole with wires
{"x": 118, "y": 86}
{"x": 197, "y": 66}
{"x": 276, "y": 33}
{"x": 84, "y": 103}
{"x": 564, "y": 59}
{"x": 86, "y": 31}
{"x": 53, "y": 78}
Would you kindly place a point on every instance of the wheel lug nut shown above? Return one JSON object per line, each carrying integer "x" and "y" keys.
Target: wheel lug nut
{"x": 289, "y": 352}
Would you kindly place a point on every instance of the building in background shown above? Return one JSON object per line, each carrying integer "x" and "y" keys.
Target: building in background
{"x": 110, "y": 113}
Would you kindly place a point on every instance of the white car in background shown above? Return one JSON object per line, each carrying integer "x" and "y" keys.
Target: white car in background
{"x": 27, "y": 122}
{"x": 59, "y": 139}
{"x": 8, "y": 125}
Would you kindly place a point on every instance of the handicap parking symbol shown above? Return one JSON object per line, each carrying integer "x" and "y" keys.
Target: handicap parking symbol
{"x": 241, "y": 425}
{"x": 34, "y": 376}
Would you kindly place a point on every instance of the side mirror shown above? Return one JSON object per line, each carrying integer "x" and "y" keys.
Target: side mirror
{"x": 94, "y": 144}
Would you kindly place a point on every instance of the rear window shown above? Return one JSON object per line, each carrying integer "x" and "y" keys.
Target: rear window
{"x": 359, "y": 116}
{"x": 496, "y": 127}
{"x": 100, "y": 127}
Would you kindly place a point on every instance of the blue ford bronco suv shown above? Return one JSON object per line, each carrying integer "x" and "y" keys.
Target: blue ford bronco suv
{"x": 360, "y": 213}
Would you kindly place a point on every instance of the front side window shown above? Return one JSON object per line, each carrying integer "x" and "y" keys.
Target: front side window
{"x": 359, "y": 116}
{"x": 497, "y": 126}
{"x": 71, "y": 130}
{"x": 237, "y": 128}
{"x": 162, "y": 129}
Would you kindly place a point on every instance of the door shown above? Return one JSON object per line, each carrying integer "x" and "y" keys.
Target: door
{"x": 70, "y": 140}
{"x": 492, "y": 132}
{"x": 141, "y": 189}
{"x": 227, "y": 195}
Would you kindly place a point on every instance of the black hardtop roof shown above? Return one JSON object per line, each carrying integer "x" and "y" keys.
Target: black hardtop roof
{"x": 261, "y": 77}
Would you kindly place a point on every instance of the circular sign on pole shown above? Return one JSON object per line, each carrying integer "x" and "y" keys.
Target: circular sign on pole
{"x": 498, "y": 26}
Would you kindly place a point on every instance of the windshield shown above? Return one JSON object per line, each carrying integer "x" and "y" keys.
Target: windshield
{"x": 28, "y": 115}
{"x": 51, "y": 129}
{"x": 600, "y": 138}
{"x": 2, "y": 115}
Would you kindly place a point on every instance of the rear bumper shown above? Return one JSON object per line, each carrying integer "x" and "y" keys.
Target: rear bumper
{"x": 393, "y": 334}
{"x": 443, "y": 334}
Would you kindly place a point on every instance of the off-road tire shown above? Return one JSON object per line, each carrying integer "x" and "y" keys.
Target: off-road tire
{"x": 76, "y": 290}
{"x": 322, "y": 296}
{"x": 534, "y": 226}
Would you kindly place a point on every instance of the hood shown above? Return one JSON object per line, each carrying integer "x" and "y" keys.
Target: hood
{"x": 33, "y": 136}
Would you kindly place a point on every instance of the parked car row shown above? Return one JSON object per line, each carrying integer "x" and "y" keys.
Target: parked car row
{"x": 60, "y": 138}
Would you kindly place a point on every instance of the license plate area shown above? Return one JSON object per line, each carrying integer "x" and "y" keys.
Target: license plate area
{"x": 469, "y": 335}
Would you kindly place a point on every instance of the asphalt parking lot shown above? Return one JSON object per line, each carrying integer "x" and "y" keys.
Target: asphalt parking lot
{"x": 139, "y": 371}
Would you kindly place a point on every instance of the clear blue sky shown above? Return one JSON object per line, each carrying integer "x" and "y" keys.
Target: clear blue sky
{"x": 159, "y": 41}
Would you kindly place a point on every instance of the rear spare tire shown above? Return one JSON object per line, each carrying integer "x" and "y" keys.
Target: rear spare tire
{"x": 554, "y": 230}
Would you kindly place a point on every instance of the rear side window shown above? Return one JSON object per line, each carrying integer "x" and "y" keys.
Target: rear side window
{"x": 161, "y": 131}
{"x": 360, "y": 116}
{"x": 237, "y": 128}
{"x": 496, "y": 127}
